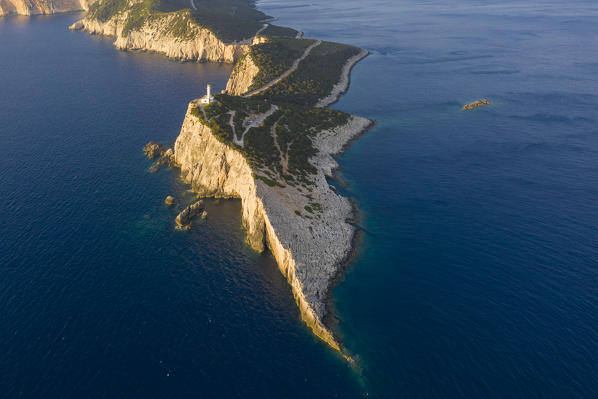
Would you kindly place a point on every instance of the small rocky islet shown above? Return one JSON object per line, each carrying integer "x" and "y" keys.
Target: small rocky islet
{"x": 183, "y": 219}
{"x": 169, "y": 200}
{"x": 153, "y": 150}
{"x": 476, "y": 104}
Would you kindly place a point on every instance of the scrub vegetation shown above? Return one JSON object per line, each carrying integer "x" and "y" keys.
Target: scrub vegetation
{"x": 316, "y": 76}
{"x": 280, "y": 148}
{"x": 229, "y": 20}
{"x": 279, "y": 31}
{"x": 274, "y": 129}
{"x": 274, "y": 57}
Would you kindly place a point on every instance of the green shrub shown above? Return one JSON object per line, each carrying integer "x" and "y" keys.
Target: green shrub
{"x": 279, "y": 31}
{"x": 266, "y": 180}
{"x": 229, "y": 20}
{"x": 103, "y": 10}
{"x": 295, "y": 128}
{"x": 316, "y": 76}
{"x": 138, "y": 14}
{"x": 274, "y": 57}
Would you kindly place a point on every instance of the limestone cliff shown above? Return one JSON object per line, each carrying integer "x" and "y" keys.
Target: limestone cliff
{"x": 242, "y": 76}
{"x": 157, "y": 35}
{"x": 37, "y": 7}
{"x": 308, "y": 251}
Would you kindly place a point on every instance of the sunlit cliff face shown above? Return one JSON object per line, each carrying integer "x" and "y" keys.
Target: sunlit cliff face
{"x": 36, "y": 7}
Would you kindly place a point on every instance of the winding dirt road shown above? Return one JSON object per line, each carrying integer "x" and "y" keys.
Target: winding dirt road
{"x": 289, "y": 71}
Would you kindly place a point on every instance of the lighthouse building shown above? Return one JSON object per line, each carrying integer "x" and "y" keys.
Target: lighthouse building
{"x": 207, "y": 99}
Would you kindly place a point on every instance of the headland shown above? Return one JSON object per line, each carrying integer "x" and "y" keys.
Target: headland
{"x": 267, "y": 139}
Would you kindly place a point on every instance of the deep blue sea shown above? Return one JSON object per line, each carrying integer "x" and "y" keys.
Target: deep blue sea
{"x": 476, "y": 275}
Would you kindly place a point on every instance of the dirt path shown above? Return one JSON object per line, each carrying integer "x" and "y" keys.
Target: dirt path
{"x": 284, "y": 156}
{"x": 289, "y": 71}
{"x": 261, "y": 29}
{"x": 231, "y": 122}
{"x": 255, "y": 120}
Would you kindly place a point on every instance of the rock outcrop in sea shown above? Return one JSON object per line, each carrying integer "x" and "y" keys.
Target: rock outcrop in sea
{"x": 167, "y": 158}
{"x": 169, "y": 200}
{"x": 153, "y": 150}
{"x": 183, "y": 219}
{"x": 476, "y": 104}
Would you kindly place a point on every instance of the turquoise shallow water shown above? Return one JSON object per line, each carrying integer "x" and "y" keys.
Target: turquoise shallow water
{"x": 476, "y": 272}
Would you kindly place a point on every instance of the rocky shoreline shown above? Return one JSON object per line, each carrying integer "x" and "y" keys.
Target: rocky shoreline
{"x": 310, "y": 250}
{"x": 343, "y": 85}
{"x": 156, "y": 37}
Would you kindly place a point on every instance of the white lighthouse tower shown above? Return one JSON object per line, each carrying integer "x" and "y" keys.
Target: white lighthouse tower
{"x": 207, "y": 99}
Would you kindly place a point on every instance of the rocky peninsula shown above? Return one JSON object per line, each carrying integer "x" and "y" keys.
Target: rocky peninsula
{"x": 268, "y": 139}
{"x": 306, "y": 229}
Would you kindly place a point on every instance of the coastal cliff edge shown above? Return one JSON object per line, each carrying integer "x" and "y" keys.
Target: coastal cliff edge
{"x": 308, "y": 251}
